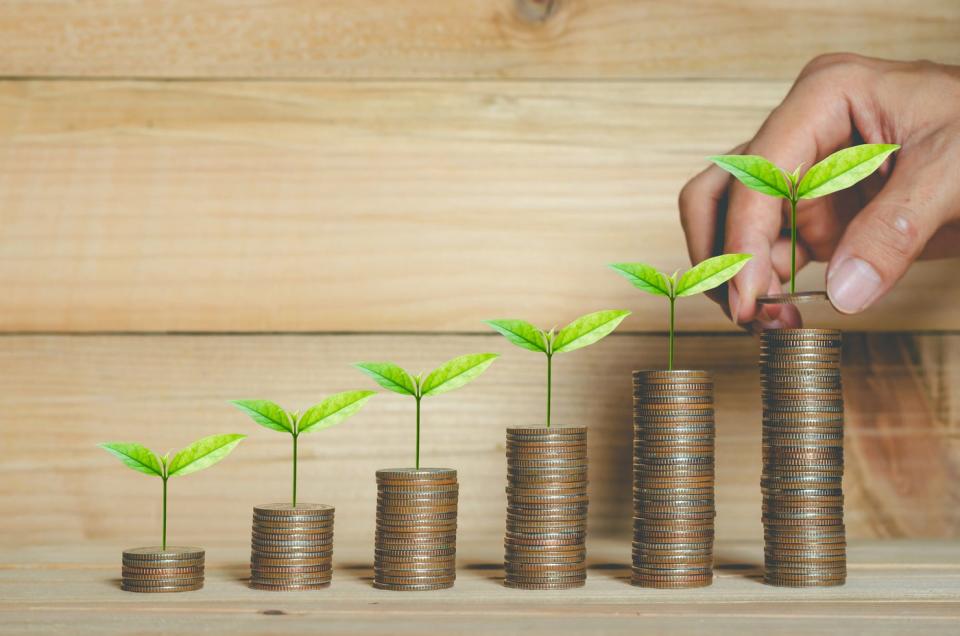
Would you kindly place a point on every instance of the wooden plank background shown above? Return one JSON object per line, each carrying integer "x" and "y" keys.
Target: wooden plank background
{"x": 60, "y": 395}
{"x": 277, "y": 166}
{"x": 522, "y": 39}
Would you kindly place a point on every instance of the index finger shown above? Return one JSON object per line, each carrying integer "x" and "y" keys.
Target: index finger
{"x": 813, "y": 120}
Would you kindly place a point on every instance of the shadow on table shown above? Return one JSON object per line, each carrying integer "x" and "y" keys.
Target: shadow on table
{"x": 362, "y": 571}
{"x": 489, "y": 571}
{"x": 612, "y": 571}
{"x": 726, "y": 564}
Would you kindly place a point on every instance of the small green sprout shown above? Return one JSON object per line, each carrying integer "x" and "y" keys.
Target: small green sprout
{"x": 329, "y": 412}
{"x": 583, "y": 331}
{"x": 201, "y": 454}
{"x": 696, "y": 280}
{"x": 450, "y": 375}
{"x": 840, "y": 170}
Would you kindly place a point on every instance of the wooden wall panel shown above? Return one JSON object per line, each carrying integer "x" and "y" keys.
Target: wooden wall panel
{"x": 610, "y": 39}
{"x": 59, "y": 395}
{"x": 354, "y": 206}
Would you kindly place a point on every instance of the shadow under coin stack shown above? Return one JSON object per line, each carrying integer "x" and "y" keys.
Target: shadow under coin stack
{"x": 545, "y": 543}
{"x": 162, "y": 570}
{"x": 804, "y": 536}
{"x": 292, "y": 548}
{"x": 673, "y": 479}
{"x": 416, "y": 540}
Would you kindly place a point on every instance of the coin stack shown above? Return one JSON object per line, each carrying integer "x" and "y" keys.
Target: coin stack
{"x": 416, "y": 540}
{"x": 292, "y": 547}
{"x": 156, "y": 569}
{"x": 673, "y": 479}
{"x": 804, "y": 536}
{"x": 545, "y": 542}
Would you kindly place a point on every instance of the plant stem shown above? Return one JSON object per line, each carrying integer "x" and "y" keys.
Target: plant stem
{"x": 164, "y": 513}
{"x": 295, "y": 470}
{"x": 418, "y": 433}
{"x": 670, "y": 355}
{"x": 549, "y": 386}
{"x": 793, "y": 245}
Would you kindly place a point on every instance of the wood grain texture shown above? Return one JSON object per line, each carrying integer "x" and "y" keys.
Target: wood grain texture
{"x": 60, "y": 395}
{"x": 609, "y": 39}
{"x": 893, "y": 587}
{"x": 345, "y": 206}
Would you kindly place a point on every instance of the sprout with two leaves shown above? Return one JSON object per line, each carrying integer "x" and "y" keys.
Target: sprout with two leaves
{"x": 696, "y": 280}
{"x": 329, "y": 412}
{"x": 580, "y": 333}
{"x": 839, "y": 171}
{"x": 201, "y": 454}
{"x": 450, "y": 375}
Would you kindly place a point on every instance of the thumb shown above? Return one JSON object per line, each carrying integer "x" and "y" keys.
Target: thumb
{"x": 883, "y": 240}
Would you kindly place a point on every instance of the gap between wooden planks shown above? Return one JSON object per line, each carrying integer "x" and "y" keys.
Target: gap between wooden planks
{"x": 467, "y": 39}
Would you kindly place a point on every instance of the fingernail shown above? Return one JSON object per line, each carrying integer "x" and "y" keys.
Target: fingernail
{"x": 733, "y": 299}
{"x": 765, "y": 321}
{"x": 853, "y": 285}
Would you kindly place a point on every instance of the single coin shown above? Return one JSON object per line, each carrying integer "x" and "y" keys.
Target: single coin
{"x": 291, "y": 569}
{"x": 147, "y": 581}
{"x": 162, "y": 579}
{"x": 291, "y": 577}
{"x": 517, "y": 585}
{"x": 412, "y": 588}
{"x": 162, "y": 571}
{"x": 157, "y": 589}
{"x": 289, "y": 509}
{"x": 400, "y": 474}
{"x": 288, "y": 587}
{"x": 158, "y": 553}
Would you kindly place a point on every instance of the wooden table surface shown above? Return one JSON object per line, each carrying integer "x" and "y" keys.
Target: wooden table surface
{"x": 893, "y": 587}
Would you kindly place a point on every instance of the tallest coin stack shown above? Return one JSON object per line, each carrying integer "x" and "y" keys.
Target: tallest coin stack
{"x": 804, "y": 538}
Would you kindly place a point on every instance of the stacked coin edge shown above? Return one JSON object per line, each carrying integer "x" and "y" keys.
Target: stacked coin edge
{"x": 547, "y": 502}
{"x": 416, "y": 536}
{"x": 291, "y": 547}
{"x": 156, "y": 570}
{"x": 673, "y": 479}
{"x": 804, "y": 533}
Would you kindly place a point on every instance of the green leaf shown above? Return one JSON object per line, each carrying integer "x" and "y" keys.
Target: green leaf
{"x": 711, "y": 273}
{"x": 137, "y": 457}
{"x": 843, "y": 169}
{"x": 756, "y": 173}
{"x": 202, "y": 454}
{"x": 389, "y": 376}
{"x": 588, "y": 329}
{"x": 520, "y": 333}
{"x": 266, "y": 414}
{"x": 333, "y": 410}
{"x": 644, "y": 277}
{"x": 453, "y": 374}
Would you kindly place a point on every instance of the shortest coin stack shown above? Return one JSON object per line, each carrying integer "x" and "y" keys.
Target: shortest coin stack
{"x": 292, "y": 547}
{"x": 545, "y": 542}
{"x": 673, "y": 479}
{"x": 156, "y": 569}
{"x": 416, "y": 540}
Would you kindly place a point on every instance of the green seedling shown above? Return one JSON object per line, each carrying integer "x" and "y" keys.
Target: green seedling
{"x": 330, "y": 412}
{"x": 450, "y": 375}
{"x": 839, "y": 171}
{"x": 696, "y": 280}
{"x": 201, "y": 454}
{"x": 580, "y": 333}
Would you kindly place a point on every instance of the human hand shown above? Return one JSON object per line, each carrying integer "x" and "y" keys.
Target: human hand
{"x": 871, "y": 233}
